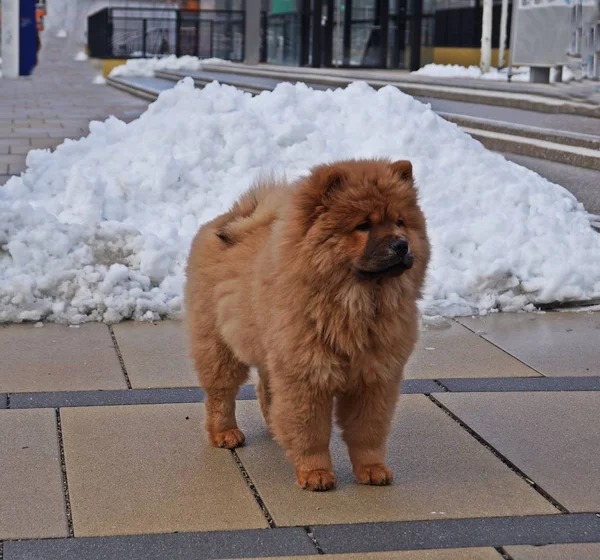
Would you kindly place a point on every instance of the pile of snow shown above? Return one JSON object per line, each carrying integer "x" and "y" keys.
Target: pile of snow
{"x": 99, "y": 80}
{"x": 80, "y": 57}
{"x": 520, "y": 74}
{"x": 147, "y": 66}
{"x": 101, "y": 228}
{"x": 61, "y": 34}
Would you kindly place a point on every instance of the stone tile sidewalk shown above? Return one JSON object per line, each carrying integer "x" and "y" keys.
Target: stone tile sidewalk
{"x": 102, "y": 453}
{"x": 57, "y": 102}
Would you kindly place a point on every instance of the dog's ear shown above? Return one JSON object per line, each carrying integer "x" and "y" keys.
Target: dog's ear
{"x": 403, "y": 170}
{"x": 315, "y": 192}
{"x": 326, "y": 180}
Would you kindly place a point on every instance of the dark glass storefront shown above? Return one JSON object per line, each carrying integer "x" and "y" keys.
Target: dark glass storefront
{"x": 350, "y": 33}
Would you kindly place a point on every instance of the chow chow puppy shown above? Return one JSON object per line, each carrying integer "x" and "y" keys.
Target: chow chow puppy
{"x": 316, "y": 284}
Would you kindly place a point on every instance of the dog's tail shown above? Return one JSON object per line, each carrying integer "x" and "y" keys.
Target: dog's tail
{"x": 257, "y": 208}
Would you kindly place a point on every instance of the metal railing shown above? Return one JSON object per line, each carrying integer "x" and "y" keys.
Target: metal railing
{"x": 150, "y": 32}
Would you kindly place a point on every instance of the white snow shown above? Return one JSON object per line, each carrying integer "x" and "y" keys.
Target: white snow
{"x": 520, "y": 74}
{"x": 99, "y": 80}
{"x": 61, "y": 34}
{"x": 100, "y": 229}
{"x": 147, "y": 66}
{"x": 80, "y": 57}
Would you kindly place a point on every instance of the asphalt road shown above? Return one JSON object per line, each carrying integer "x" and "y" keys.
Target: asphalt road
{"x": 553, "y": 121}
{"x": 583, "y": 183}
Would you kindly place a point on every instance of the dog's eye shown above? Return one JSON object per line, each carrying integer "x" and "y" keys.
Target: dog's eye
{"x": 364, "y": 226}
{"x": 400, "y": 223}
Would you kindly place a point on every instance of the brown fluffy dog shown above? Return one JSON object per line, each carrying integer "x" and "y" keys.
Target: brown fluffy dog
{"x": 316, "y": 285}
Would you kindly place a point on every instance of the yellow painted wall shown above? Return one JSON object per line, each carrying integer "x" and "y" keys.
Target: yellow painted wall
{"x": 109, "y": 63}
{"x": 464, "y": 56}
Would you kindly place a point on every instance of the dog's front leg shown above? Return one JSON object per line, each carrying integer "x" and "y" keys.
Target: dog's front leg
{"x": 301, "y": 421}
{"x": 365, "y": 415}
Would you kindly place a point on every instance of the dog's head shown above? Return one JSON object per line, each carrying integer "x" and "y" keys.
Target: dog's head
{"x": 363, "y": 217}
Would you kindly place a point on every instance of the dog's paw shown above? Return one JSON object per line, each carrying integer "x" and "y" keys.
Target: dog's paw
{"x": 376, "y": 475}
{"x": 318, "y": 480}
{"x": 229, "y": 439}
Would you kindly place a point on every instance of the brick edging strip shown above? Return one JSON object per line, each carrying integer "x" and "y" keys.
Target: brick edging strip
{"x": 60, "y": 399}
{"x": 332, "y": 539}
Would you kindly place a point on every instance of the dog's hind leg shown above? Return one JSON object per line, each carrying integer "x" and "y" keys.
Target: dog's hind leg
{"x": 220, "y": 374}
{"x": 263, "y": 390}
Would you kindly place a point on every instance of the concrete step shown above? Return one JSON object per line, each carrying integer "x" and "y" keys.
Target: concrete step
{"x": 484, "y": 94}
{"x": 146, "y": 88}
{"x": 563, "y": 147}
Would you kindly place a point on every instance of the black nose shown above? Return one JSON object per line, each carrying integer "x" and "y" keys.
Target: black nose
{"x": 399, "y": 246}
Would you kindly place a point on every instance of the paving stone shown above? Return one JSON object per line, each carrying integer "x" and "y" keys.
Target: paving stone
{"x": 16, "y": 168}
{"x": 181, "y": 546}
{"x": 28, "y": 132}
{"x": 3, "y": 401}
{"x": 8, "y": 159}
{"x": 457, "y": 352}
{"x": 148, "y": 469}
{"x": 454, "y": 533}
{"x": 31, "y": 491}
{"x": 15, "y": 142}
{"x": 59, "y": 399}
{"x": 452, "y": 554}
{"x": 440, "y": 471}
{"x": 156, "y": 354}
{"x": 556, "y": 552}
{"x": 551, "y": 437}
{"x": 21, "y": 150}
{"x": 555, "y": 344}
{"x": 57, "y": 357}
{"x": 45, "y": 143}
{"x": 507, "y": 384}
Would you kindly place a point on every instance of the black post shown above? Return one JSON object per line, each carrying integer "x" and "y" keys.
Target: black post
{"x": 347, "y": 33}
{"x": 263, "y": 36}
{"x": 328, "y": 34}
{"x": 383, "y": 7}
{"x": 415, "y": 34}
{"x": 197, "y": 37}
{"x": 177, "y": 33}
{"x": 317, "y": 34}
{"x": 144, "y": 31}
{"x": 304, "y": 32}
{"x": 400, "y": 48}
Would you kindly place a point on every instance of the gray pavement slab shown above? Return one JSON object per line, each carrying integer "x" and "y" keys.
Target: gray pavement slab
{"x": 582, "y": 183}
{"x": 181, "y": 546}
{"x": 555, "y": 552}
{"x": 503, "y": 384}
{"x": 551, "y": 437}
{"x": 67, "y": 399}
{"x": 456, "y": 351}
{"x": 554, "y": 344}
{"x": 51, "y": 358}
{"x": 440, "y": 471}
{"x": 450, "y": 533}
{"x": 31, "y": 489}
{"x": 149, "y": 469}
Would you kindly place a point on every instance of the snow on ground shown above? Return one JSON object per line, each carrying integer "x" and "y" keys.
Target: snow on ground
{"x": 147, "y": 66}
{"x": 80, "y": 57}
{"x": 99, "y": 80}
{"x": 101, "y": 228}
{"x": 520, "y": 74}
